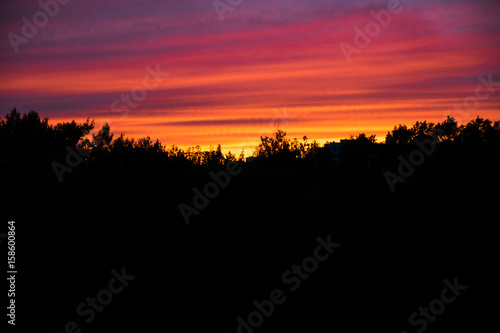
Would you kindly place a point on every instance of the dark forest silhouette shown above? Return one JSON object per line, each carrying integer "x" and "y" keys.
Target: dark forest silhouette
{"x": 29, "y": 132}
{"x": 118, "y": 207}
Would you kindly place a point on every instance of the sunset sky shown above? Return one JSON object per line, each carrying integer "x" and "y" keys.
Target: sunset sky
{"x": 265, "y": 62}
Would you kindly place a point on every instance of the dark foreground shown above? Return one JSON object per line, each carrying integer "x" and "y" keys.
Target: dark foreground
{"x": 108, "y": 249}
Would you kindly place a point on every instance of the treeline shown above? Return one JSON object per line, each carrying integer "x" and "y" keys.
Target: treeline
{"x": 29, "y": 132}
{"x": 475, "y": 131}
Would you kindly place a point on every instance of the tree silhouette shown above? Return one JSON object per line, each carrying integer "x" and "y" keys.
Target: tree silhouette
{"x": 400, "y": 135}
{"x": 449, "y": 129}
{"x": 479, "y": 130}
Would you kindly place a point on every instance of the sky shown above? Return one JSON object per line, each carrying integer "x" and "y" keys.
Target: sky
{"x": 199, "y": 72}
